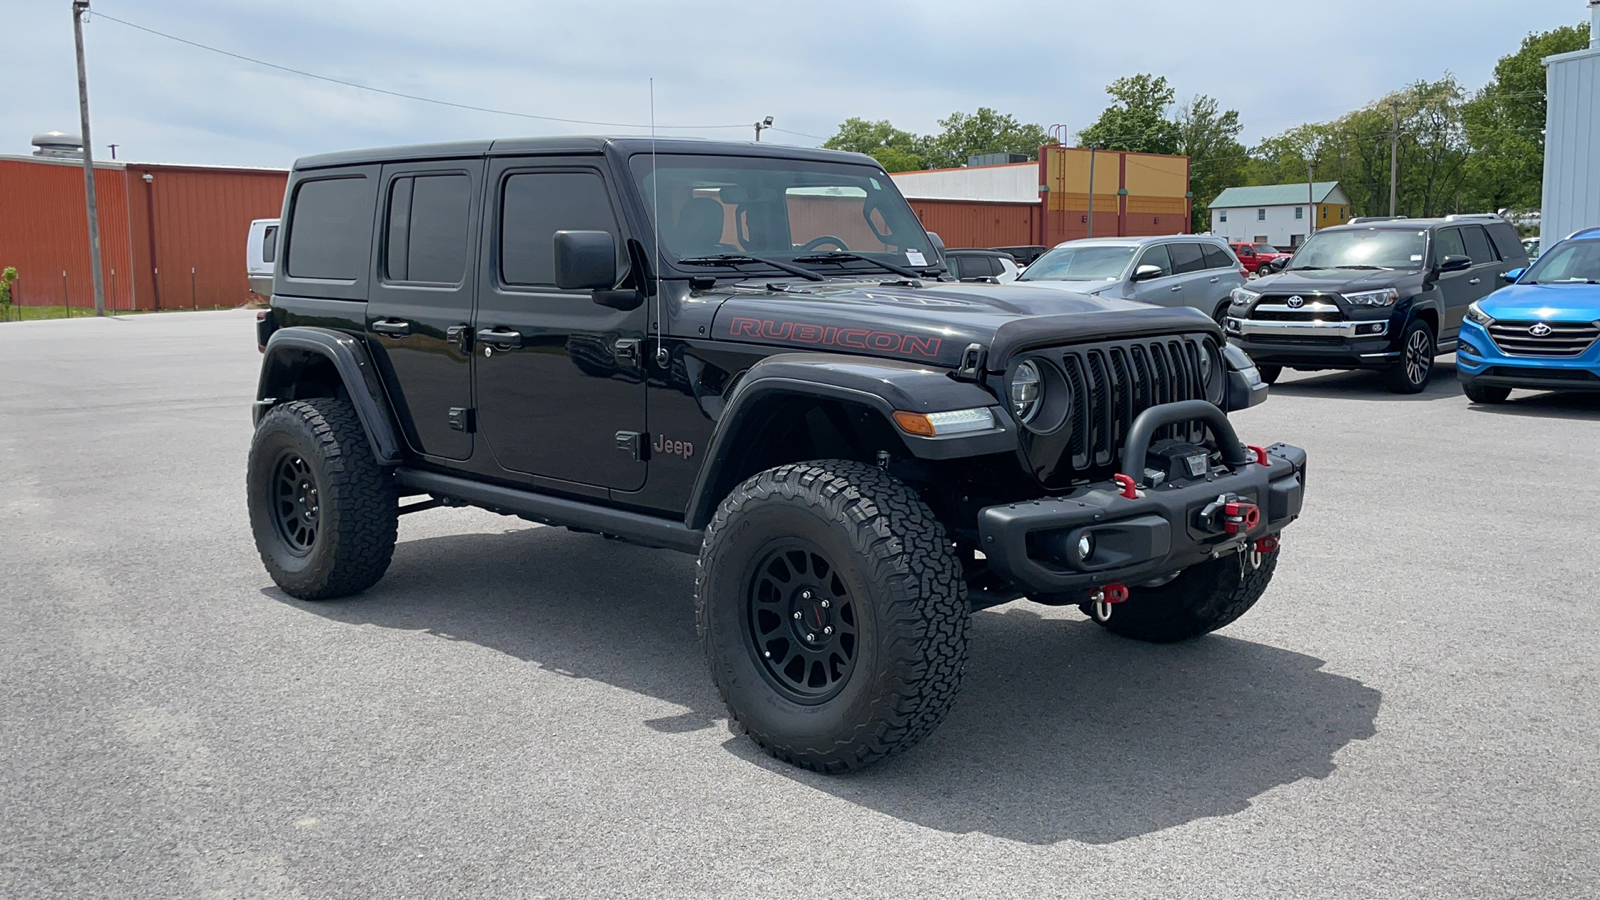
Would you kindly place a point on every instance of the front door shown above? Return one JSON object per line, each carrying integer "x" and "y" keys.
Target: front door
{"x": 419, "y": 309}
{"x": 558, "y": 376}
{"x": 1165, "y": 289}
{"x": 1458, "y": 289}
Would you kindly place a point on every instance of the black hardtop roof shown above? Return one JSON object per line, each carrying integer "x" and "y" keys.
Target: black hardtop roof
{"x": 571, "y": 145}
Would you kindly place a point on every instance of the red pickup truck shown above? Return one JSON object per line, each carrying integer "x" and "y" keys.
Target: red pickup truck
{"x": 1251, "y": 256}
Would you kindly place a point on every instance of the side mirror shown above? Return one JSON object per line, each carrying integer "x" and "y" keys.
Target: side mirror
{"x": 1455, "y": 263}
{"x": 585, "y": 260}
{"x": 1147, "y": 272}
{"x": 936, "y": 241}
{"x": 1512, "y": 276}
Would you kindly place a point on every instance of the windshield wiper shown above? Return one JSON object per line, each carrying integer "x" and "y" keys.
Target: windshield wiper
{"x": 1360, "y": 267}
{"x": 732, "y": 260}
{"x": 835, "y": 256}
{"x": 1301, "y": 268}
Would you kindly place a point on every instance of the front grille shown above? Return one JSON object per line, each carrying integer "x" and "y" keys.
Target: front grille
{"x": 1564, "y": 339}
{"x": 1112, "y": 383}
{"x": 1315, "y": 308}
{"x": 1312, "y": 340}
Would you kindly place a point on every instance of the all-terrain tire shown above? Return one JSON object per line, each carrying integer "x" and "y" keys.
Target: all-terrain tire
{"x": 1417, "y": 348}
{"x": 881, "y": 553}
{"x": 322, "y": 510}
{"x": 1269, "y": 374}
{"x": 1202, "y": 599}
{"x": 1482, "y": 393}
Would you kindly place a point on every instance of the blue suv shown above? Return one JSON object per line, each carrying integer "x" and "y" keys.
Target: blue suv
{"x": 1542, "y": 332}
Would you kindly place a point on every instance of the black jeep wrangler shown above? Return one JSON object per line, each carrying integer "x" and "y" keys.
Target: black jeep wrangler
{"x": 1385, "y": 294}
{"x": 750, "y": 353}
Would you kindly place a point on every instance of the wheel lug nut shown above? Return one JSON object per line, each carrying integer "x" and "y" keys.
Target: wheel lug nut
{"x": 826, "y": 604}
{"x": 828, "y": 629}
{"x": 767, "y": 653}
{"x": 797, "y": 616}
{"x": 806, "y": 595}
{"x": 811, "y": 637}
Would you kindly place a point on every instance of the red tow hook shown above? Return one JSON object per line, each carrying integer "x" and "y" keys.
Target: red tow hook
{"x": 1130, "y": 488}
{"x": 1268, "y": 544}
{"x": 1260, "y": 452}
{"x": 1239, "y": 518}
{"x": 1104, "y": 597}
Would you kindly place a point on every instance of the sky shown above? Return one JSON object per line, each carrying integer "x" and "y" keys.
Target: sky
{"x": 718, "y": 66}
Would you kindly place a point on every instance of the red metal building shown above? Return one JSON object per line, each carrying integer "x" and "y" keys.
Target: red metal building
{"x": 171, "y": 236}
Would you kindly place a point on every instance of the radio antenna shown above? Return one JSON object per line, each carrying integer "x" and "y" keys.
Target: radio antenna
{"x": 662, "y": 359}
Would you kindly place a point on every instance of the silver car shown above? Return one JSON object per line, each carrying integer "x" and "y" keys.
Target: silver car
{"x": 1171, "y": 270}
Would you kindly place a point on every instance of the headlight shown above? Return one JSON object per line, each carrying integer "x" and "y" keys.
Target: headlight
{"x": 1242, "y": 297}
{"x": 1385, "y": 297}
{"x": 1213, "y": 373}
{"x": 1026, "y": 389}
{"x": 1476, "y": 315}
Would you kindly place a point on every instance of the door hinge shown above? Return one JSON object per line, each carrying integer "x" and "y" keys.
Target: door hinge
{"x": 463, "y": 419}
{"x": 635, "y": 443}
{"x": 460, "y": 336}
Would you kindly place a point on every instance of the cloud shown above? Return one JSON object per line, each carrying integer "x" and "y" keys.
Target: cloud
{"x": 715, "y": 63}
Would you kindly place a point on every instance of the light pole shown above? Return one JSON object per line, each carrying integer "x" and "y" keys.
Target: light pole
{"x": 763, "y": 125}
{"x": 79, "y": 7}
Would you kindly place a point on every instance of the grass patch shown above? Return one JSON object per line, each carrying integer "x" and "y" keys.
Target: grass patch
{"x": 31, "y": 313}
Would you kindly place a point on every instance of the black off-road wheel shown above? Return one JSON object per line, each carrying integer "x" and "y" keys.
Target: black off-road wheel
{"x": 323, "y": 511}
{"x": 830, "y": 606}
{"x": 1417, "y": 347}
{"x": 1479, "y": 393}
{"x": 1202, "y": 599}
{"x": 1269, "y": 374}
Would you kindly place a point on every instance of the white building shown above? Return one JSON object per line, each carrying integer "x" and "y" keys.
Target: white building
{"x": 1572, "y": 139}
{"x": 1278, "y": 214}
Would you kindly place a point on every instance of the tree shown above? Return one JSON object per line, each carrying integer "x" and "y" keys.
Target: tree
{"x": 7, "y": 277}
{"x": 1137, "y": 121}
{"x": 1505, "y": 123}
{"x": 898, "y": 151}
{"x": 1216, "y": 158}
{"x": 985, "y": 131}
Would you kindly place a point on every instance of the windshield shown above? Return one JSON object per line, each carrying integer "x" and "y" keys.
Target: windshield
{"x": 1572, "y": 262}
{"x": 1363, "y": 248}
{"x": 1085, "y": 263}
{"x": 778, "y": 208}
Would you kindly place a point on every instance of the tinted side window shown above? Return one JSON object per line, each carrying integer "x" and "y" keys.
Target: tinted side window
{"x": 1448, "y": 243}
{"x": 330, "y": 222}
{"x": 1186, "y": 258}
{"x": 1156, "y": 256}
{"x": 426, "y": 235}
{"x": 1478, "y": 245}
{"x": 534, "y": 206}
{"x": 1216, "y": 257}
{"x": 1505, "y": 240}
{"x": 269, "y": 244}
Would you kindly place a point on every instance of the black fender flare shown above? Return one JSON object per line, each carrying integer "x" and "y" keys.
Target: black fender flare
{"x": 285, "y": 353}
{"x": 883, "y": 385}
{"x": 1430, "y": 300}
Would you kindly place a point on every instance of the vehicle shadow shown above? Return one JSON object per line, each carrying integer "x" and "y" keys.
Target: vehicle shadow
{"x": 1545, "y": 405}
{"x": 1062, "y": 731}
{"x": 1368, "y": 385}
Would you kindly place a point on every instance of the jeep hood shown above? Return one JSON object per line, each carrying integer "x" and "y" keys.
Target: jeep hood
{"x": 936, "y": 322}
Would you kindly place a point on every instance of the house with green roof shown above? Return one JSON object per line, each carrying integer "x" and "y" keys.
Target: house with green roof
{"x": 1278, "y": 214}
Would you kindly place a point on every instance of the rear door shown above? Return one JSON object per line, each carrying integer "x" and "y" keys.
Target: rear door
{"x": 419, "y": 310}
{"x": 1165, "y": 290}
{"x": 559, "y": 378}
{"x": 1189, "y": 265}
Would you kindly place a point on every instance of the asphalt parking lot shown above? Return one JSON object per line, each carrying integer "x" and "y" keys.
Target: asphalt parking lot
{"x": 516, "y": 711}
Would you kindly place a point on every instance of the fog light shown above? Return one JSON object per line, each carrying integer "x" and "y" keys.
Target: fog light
{"x": 1470, "y": 347}
{"x": 1086, "y": 546}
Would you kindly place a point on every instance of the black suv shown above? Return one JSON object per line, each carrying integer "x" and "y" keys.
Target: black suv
{"x": 1386, "y": 295}
{"x": 750, "y": 353}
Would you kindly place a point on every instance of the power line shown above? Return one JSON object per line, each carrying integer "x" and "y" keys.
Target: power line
{"x": 403, "y": 96}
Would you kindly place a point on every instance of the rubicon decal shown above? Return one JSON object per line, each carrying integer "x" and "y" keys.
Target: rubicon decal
{"x": 831, "y": 336}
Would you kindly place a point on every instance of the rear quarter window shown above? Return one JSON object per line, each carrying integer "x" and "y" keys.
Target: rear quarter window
{"x": 1217, "y": 258}
{"x": 329, "y": 227}
{"x": 1186, "y": 257}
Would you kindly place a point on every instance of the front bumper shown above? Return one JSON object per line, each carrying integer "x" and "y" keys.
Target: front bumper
{"x": 1032, "y": 544}
{"x": 1354, "y": 344}
{"x": 1480, "y": 363}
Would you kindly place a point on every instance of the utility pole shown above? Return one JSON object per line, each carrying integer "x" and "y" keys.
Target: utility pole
{"x": 1091, "y": 190}
{"x": 1311, "y": 197}
{"x": 1394, "y": 154}
{"x": 763, "y": 125}
{"x": 79, "y": 7}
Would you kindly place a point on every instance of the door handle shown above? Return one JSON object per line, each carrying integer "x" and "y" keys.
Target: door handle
{"x": 1176, "y": 287}
{"x": 1213, "y": 279}
{"x": 1474, "y": 280}
{"x": 395, "y": 328}
{"x": 461, "y": 336}
{"x": 500, "y": 338}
